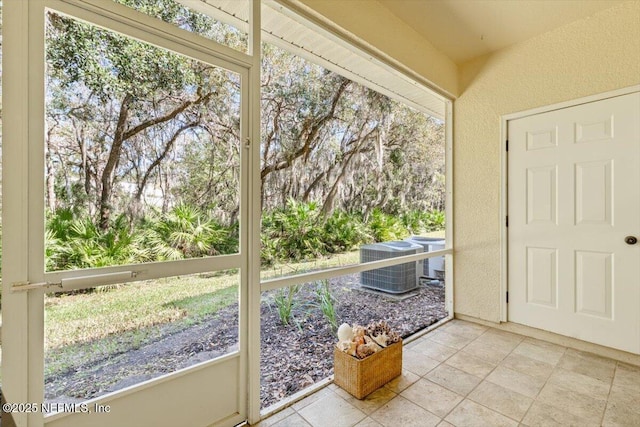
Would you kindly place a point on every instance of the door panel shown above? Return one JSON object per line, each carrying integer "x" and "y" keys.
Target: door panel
{"x": 594, "y": 282}
{"x": 593, "y": 192}
{"x": 541, "y": 195}
{"x": 542, "y": 276}
{"x": 574, "y": 194}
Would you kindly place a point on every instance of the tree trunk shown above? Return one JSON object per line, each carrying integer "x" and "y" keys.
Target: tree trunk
{"x": 50, "y": 182}
{"x": 108, "y": 173}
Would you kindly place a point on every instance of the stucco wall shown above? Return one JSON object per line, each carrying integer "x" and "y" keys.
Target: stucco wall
{"x": 376, "y": 27}
{"x": 590, "y": 56}
{"x": 586, "y": 57}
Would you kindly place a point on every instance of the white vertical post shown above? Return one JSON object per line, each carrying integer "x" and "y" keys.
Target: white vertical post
{"x": 255, "y": 210}
{"x": 36, "y": 195}
{"x": 449, "y": 243}
{"x": 15, "y": 373}
{"x": 23, "y": 204}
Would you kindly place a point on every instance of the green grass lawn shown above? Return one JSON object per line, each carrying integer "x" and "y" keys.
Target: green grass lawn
{"x": 79, "y": 318}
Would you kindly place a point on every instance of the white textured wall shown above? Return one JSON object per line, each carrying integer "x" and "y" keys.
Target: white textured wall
{"x": 590, "y": 56}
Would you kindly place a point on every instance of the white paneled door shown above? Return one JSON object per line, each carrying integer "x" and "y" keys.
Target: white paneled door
{"x": 574, "y": 221}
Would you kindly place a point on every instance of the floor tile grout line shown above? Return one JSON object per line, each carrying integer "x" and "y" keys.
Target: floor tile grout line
{"x": 466, "y": 396}
{"x": 498, "y": 385}
{"x": 533, "y": 399}
{"x": 606, "y": 406}
{"x": 419, "y": 406}
{"x": 440, "y": 385}
{"x": 494, "y": 365}
{"x": 546, "y": 381}
{"x": 565, "y": 388}
{"x": 494, "y": 368}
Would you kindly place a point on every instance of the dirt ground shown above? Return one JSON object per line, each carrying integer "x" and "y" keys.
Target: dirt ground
{"x": 293, "y": 356}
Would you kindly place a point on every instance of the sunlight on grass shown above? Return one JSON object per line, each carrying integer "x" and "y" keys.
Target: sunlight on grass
{"x": 85, "y": 317}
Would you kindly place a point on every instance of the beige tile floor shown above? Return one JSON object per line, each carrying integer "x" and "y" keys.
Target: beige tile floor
{"x": 464, "y": 374}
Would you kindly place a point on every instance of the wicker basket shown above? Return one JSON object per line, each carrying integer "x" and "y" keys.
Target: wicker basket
{"x": 360, "y": 377}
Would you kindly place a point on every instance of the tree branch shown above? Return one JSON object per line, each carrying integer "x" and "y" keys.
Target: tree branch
{"x": 161, "y": 157}
{"x": 173, "y": 114}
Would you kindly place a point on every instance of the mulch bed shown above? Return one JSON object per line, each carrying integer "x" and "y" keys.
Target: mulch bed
{"x": 293, "y": 356}
{"x": 296, "y": 356}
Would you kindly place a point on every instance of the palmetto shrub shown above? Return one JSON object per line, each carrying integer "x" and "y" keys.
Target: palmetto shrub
{"x": 385, "y": 227}
{"x": 295, "y": 232}
{"x": 77, "y": 242}
{"x": 344, "y": 231}
{"x": 417, "y": 222}
{"x": 300, "y": 231}
{"x": 413, "y": 221}
{"x": 186, "y": 232}
{"x": 434, "y": 221}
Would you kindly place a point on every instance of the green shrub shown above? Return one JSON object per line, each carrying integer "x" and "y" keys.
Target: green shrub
{"x": 417, "y": 222}
{"x": 186, "y": 232}
{"x": 326, "y": 303}
{"x": 78, "y": 243}
{"x": 343, "y": 232}
{"x": 295, "y": 232}
{"x": 285, "y": 302}
{"x": 413, "y": 221}
{"x": 434, "y": 221}
{"x": 385, "y": 227}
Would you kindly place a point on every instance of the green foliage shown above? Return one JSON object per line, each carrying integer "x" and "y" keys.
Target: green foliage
{"x": 344, "y": 231}
{"x": 326, "y": 302}
{"x": 417, "y": 222}
{"x": 120, "y": 110}
{"x": 76, "y": 242}
{"x": 110, "y": 64}
{"x": 186, "y": 18}
{"x": 385, "y": 227}
{"x": 413, "y": 221}
{"x": 295, "y": 232}
{"x": 434, "y": 221}
{"x": 285, "y": 302}
{"x": 348, "y": 152}
{"x": 186, "y": 232}
{"x": 268, "y": 250}
{"x": 299, "y": 231}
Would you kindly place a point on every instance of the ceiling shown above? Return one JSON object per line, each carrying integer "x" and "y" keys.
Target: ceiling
{"x": 461, "y": 29}
{"x": 465, "y": 29}
{"x": 294, "y": 33}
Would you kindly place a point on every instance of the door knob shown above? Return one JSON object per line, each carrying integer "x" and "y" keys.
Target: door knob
{"x": 630, "y": 240}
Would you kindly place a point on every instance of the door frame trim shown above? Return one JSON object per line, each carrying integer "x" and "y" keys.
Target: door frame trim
{"x": 504, "y": 163}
